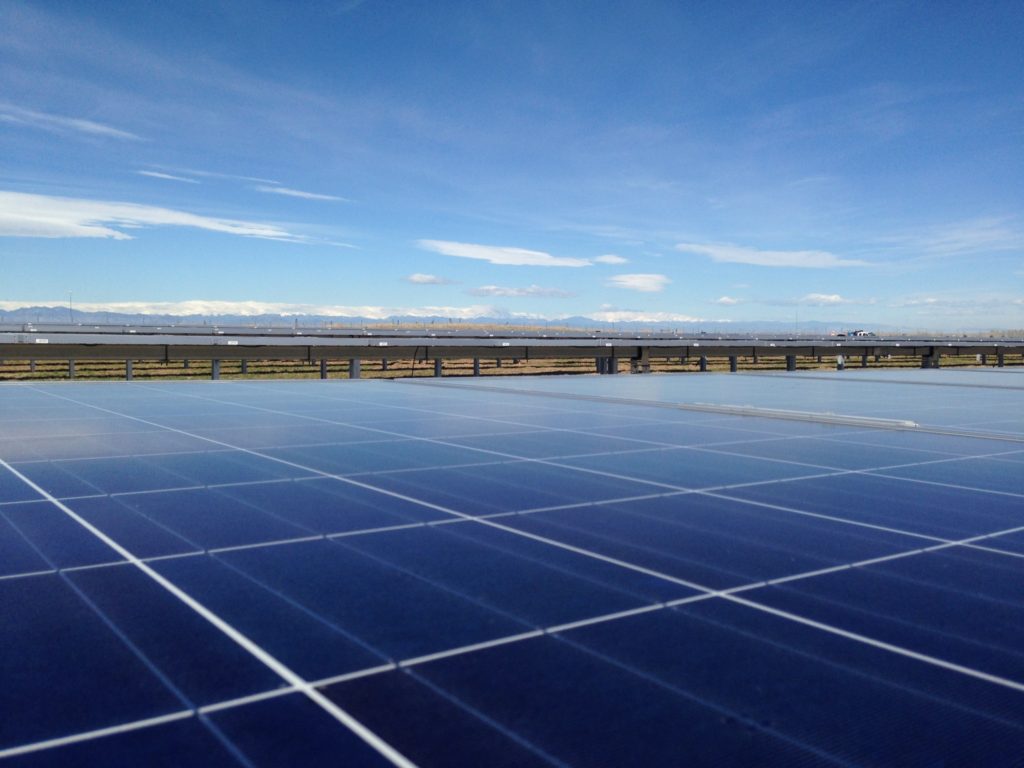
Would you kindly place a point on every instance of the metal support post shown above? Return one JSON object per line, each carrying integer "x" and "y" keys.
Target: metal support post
{"x": 383, "y": 363}
{"x": 215, "y": 369}
{"x": 323, "y": 368}
{"x": 733, "y": 364}
{"x": 476, "y": 366}
{"x": 703, "y": 363}
{"x": 128, "y": 372}
{"x": 245, "y": 367}
{"x": 790, "y": 362}
{"x": 31, "y": 366}
{"x": 437, "y": 366}
{"x": 354, "y": 369}
{"x": 613, "y": 364}
{"x": 863, "y": 361}
{"x": 999, "y": 360}
{"x": 71, "y": 369}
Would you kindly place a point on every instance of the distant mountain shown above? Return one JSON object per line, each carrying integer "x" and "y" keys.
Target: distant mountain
{"x": 63, "y": 315}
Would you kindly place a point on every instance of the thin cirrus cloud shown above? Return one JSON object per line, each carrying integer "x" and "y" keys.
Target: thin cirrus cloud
{"x": 288, "y": 192}
{"x": 533, "y": 290}
{"x": 982, "y": 235}
{"x": 166, "y": 176}
{"x": 726, "y": 301}
{"x": 823, "y": 299}
{"x": 645, "y": 283}
{"x": 47, "y": 121}
{"x": 213, "y": 308}
{"x": 418, "y": 278}
{"x": 27, "y": 215}
{"x": 735, "y": 254}
{"x": 637, "y": 316}
{"x": 610, "y": 258}
{"x": 502, "y": 255}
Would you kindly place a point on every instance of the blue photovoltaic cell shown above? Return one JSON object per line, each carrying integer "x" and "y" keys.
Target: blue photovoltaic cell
{"x": 13, "y": 488}
{"x": 715, "y": 542}
{"x": 64, "y": 669}
{"x": 938, "y": 511}
{"x": 985, "y": 474}
{"x": 424, "y": 721}
{"x": 687, "y": 468}
{"x": 536, "y": 575}
{"x": 17, "y": 555}
{"x": 578, "y": 709}
{"x": 326, "y": 505}
{"x": 304, "y": 639}
{"x": 168, "y": 745}
{"x": 506, "y": 487}
{"x": 965, "y": 608}
{"x": 58, "y": 538}
{"x": 500, "y": 575}
{"x": 198, "y": 518}
{"x": 393, "y": 612}
{"x": 381, "y": 456}
{"x": 199, "y": 661}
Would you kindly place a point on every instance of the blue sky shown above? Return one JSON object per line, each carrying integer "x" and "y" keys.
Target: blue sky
{"x": 855, "y": 162}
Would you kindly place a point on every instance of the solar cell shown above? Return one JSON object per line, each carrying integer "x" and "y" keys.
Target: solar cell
{"x": 545, "y": 571}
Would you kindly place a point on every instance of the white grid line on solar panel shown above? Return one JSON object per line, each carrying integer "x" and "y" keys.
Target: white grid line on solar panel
{"x": 550, "y": 630}
{"x": 175, "y": 489}
{"x": 909, "y": 653}
{"x": 711, "y": 492}
{"x": 516, "y": 458}
{"x": 640, "y": 404}
{"x": 133, "y": 648}
{"x": 493, "y": 516}
{"x": 603, "y": 473}
{"x": 498, "y": 515}
{"x": 587, "y": 469}
{"x": 527, "y": 430}
{"x": 243, "y": 641}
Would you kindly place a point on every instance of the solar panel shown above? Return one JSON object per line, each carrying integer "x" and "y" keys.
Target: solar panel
{"x": 540, "y": 571}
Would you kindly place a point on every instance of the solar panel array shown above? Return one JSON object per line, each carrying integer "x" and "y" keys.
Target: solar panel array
{"x": 377, "y": 573}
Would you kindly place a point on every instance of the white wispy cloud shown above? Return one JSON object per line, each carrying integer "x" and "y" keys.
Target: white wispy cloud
{"x": 636, "y": 316}
{"x": 735, "y": 254}
{"x": 533, "y": 290}
{"x": 726, "y": 301}
{"x": 823, "y": 299}
{"x": 503, "y": 255}
{"x": 219, "y": 175}
{"x": 418, "y": 278}
{"x": 204, "y": 307}
{"x": 287, "y": 192}
{"x": 167, "y": 176}
{"x": 11, "y": 114}
{"x": 610, "y": 258}
{"x": 26, "y": 215}
{"x": 646, "y": 283}
{"x": 982, "y": 235}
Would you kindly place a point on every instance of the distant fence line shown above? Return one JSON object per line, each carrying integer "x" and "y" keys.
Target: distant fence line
{"x": 609, "y": 354}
